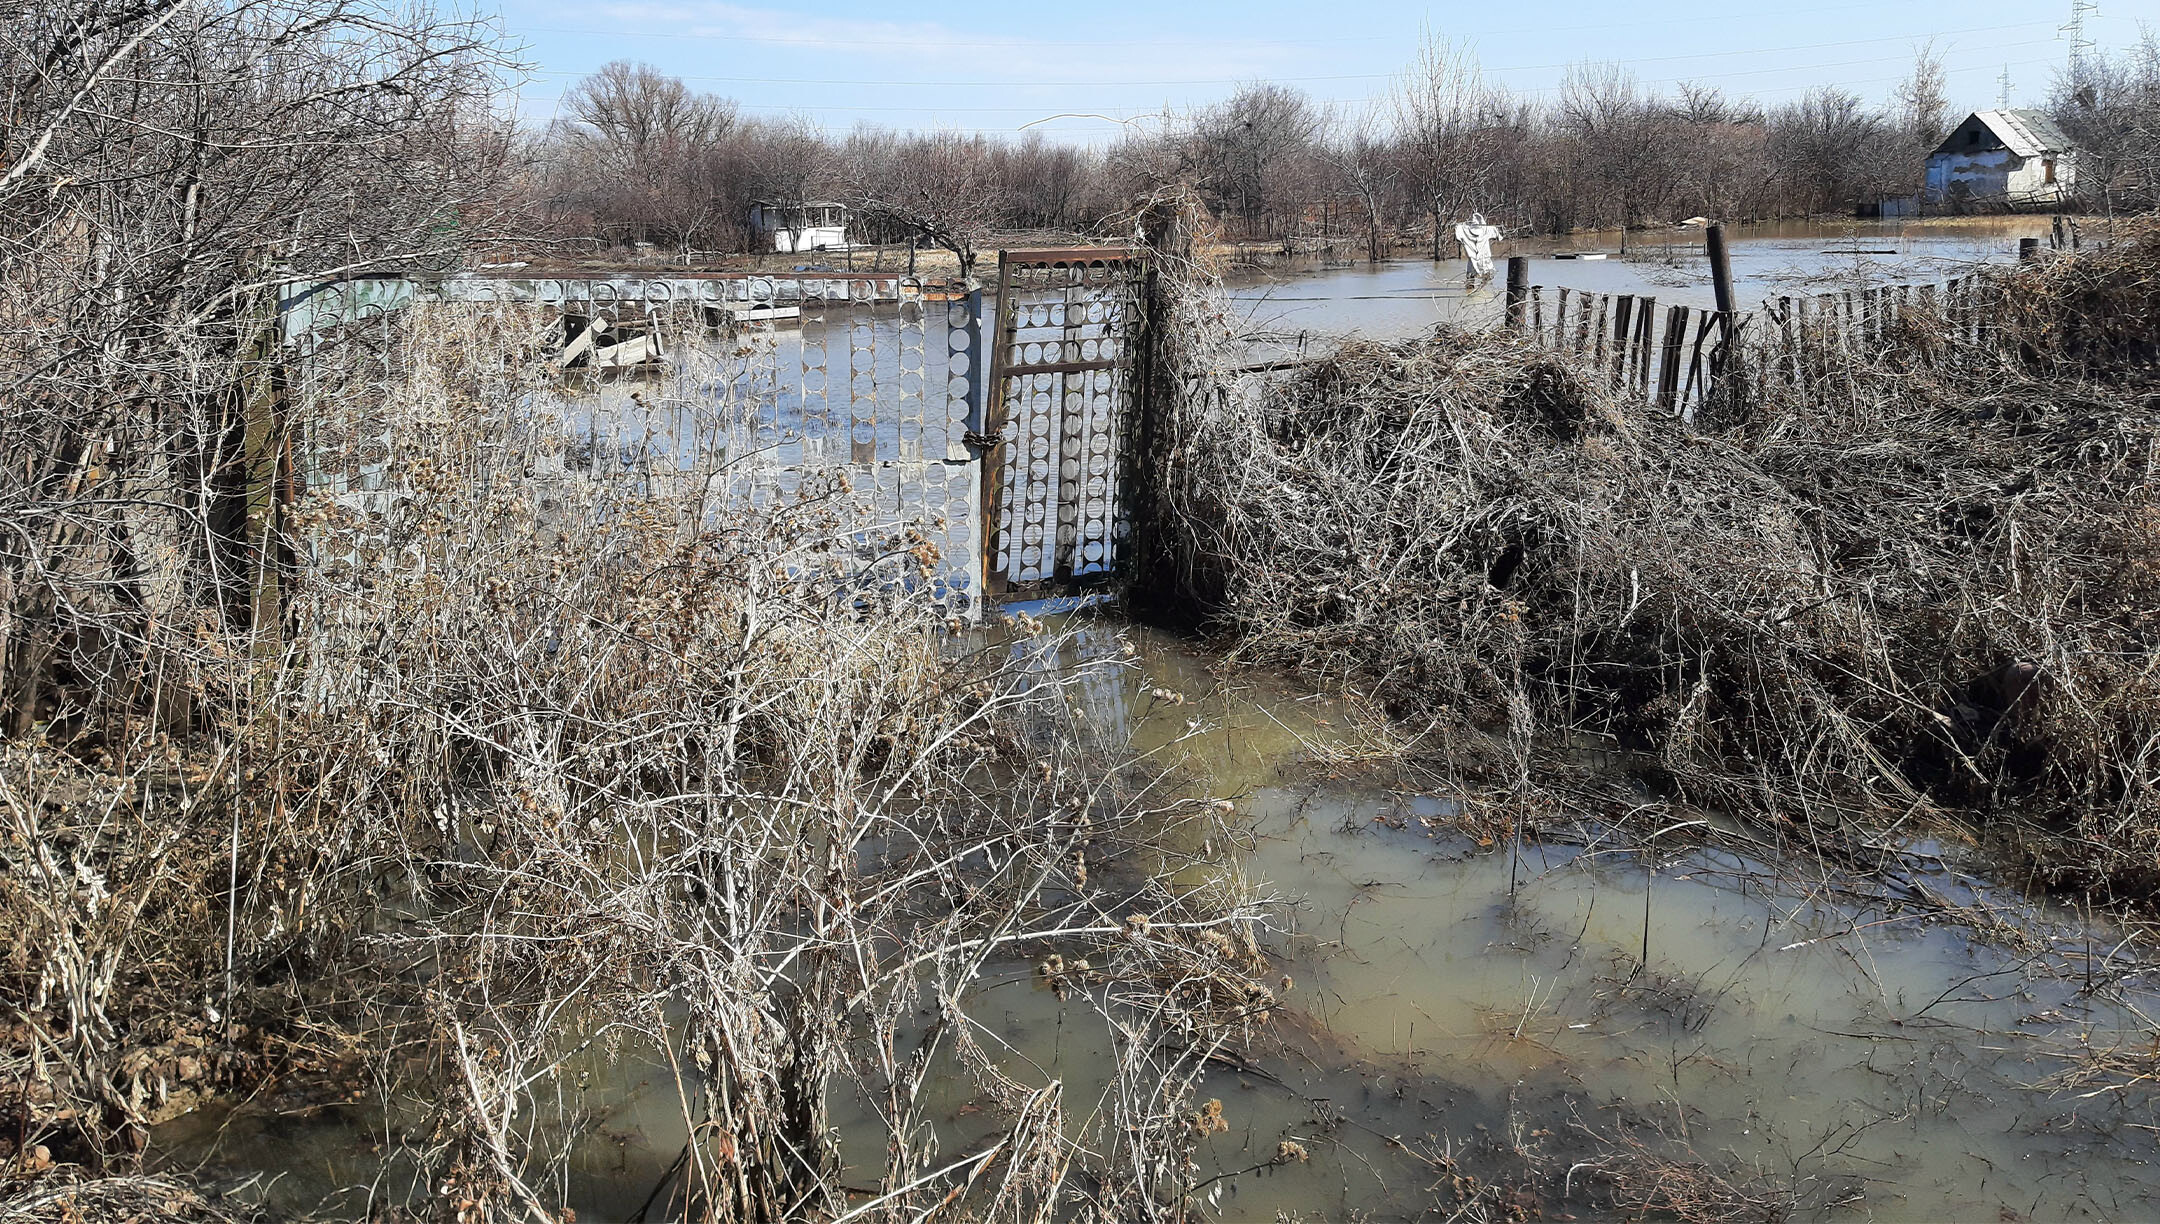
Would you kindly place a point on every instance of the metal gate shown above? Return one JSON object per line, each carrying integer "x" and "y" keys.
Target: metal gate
{"x": 1058, "y": 417}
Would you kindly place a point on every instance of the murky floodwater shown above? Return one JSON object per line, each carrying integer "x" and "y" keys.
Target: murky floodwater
{"x": 1803, "y": 1033}
{"x": 1403, "y": 298}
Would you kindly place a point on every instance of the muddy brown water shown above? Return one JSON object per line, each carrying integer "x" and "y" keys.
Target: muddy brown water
{"x": 1790, "y": 1027}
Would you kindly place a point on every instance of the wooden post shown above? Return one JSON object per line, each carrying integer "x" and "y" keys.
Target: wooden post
{"x": 1623, "y": 311}
{"x": 262, "y": 445}
{"x": 1669, "y": 360}
{"x": 1645, "y": 331}
{"x": 2028, "y": 249}
{"x": 1518, "y": 291}
{"x": 1722, "y": 286}
{"x": 1720, "y": 271}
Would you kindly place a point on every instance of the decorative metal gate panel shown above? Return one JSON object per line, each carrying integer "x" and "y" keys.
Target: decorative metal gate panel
{"x": 1058, "y": 417}
{"x": 859, "y": 391}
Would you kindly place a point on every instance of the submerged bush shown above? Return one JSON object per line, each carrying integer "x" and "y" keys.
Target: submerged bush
{"x": 1921, "y": 579}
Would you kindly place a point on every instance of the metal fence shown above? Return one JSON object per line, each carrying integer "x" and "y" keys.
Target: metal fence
{"x": 1060, "y": 416}
{"x": 861, "y": 390}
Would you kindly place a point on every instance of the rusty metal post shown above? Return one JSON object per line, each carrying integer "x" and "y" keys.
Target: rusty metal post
{"x": 991, "y": 435}
{"x": 1518, "y": 291}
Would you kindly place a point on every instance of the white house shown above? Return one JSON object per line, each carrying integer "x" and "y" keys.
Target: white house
{"x": 2010, "y": 158}
{"x": 810, "y": 226}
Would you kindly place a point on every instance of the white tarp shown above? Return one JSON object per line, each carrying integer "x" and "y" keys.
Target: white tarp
{"x": 1477, "y": 238}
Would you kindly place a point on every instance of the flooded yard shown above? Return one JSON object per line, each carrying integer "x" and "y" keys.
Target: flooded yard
{"x": 1458, "y": 1026}
{"x": 1406, "y": 297}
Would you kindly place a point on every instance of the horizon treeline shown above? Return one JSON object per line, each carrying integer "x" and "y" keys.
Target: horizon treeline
{"x": 638, "y": 156}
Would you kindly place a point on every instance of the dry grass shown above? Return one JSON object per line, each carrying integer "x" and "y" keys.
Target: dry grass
{"x": 558, "y": 765}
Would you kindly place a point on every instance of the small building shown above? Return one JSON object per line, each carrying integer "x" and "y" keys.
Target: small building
{"x": 2005, "y": 159}
{"x": 814, "y": 225}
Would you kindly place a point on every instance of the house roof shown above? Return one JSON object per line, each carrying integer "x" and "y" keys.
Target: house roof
{"x": 2025, "y": 132}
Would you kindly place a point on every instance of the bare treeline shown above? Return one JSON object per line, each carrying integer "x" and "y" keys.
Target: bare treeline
{"x": 1274, "y": 164}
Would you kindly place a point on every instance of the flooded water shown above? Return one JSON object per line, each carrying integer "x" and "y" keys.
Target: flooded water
{"x": 1826, "y": 1043}
{"x": 1403, "y": 298}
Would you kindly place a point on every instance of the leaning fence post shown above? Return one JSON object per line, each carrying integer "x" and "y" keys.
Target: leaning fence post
{"x": 1721, "y": 284}
{"x": 1518, "y": 290}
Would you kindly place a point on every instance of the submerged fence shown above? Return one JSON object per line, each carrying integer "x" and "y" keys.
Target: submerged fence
{"x": 1676, "y": 357}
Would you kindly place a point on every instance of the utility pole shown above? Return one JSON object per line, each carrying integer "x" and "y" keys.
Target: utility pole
{"x": 2074, "y": 30}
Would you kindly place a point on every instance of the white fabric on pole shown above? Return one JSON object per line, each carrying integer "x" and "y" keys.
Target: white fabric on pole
{"x": 1477, "y": 238}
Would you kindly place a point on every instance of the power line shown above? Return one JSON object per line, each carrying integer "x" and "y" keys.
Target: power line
{"x": 913, "y": 44}
{"x": 1349, "y": 76}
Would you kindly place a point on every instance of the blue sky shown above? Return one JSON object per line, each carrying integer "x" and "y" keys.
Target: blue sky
{"x": 995, "y": 67}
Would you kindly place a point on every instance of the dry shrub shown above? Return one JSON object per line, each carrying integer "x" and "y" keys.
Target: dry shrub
{"x": 560, "y": 765}
{"x": 1919, "y": 577}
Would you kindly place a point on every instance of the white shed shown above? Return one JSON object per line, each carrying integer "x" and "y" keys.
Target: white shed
{"x": 2013, "y": 158}
{"x": 813, "y": 225}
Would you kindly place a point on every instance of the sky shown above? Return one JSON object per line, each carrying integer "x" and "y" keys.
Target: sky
{"x": 1082, "y": 73}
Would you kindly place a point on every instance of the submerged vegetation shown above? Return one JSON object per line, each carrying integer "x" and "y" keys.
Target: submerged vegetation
{"x": 1919, "y": 578}
{"x": 552, "y": 776}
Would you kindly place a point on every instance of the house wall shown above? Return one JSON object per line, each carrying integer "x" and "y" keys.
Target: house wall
{"x": 809, "y": 238}
{"x": 1997, "y": 176}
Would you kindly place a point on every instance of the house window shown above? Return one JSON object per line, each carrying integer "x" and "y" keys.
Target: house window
{"x": 1972, "y": 137}
{"x": 2049, "y": 167}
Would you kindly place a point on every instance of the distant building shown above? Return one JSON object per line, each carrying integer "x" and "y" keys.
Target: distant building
{"x": 2003, "y": 158}
{"x": 810, "y": 226}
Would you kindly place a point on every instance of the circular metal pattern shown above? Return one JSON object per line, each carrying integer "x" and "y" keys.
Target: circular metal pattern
{"x": 957, "y": 389}
{"x": 813, "y": 379}
{"x": 1095, "y": 311}
{"x": 957, "y": 317}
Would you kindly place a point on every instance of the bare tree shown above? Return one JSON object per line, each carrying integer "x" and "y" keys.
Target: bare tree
{"x": 2111, "y": 109}
{"x": 1835, "y": 151}
{"x": 1445, "y": 120}
{"x": 642, "y": 152}
{"x": 1255, "y": 150}
{"x": 946, "y": 189}
{"x": 1368, "y": 167}
{"x": 1923, "y": 98}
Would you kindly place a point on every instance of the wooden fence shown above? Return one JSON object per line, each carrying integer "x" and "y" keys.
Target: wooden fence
{"x": 1675, "y": 356}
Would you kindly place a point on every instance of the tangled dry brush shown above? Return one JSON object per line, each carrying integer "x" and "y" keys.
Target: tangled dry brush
{"x": 559, "y": 769}
{"x": 1897, "y": 579}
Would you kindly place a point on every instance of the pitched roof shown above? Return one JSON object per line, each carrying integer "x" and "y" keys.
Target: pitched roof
{"x": 2025, "y": 132}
